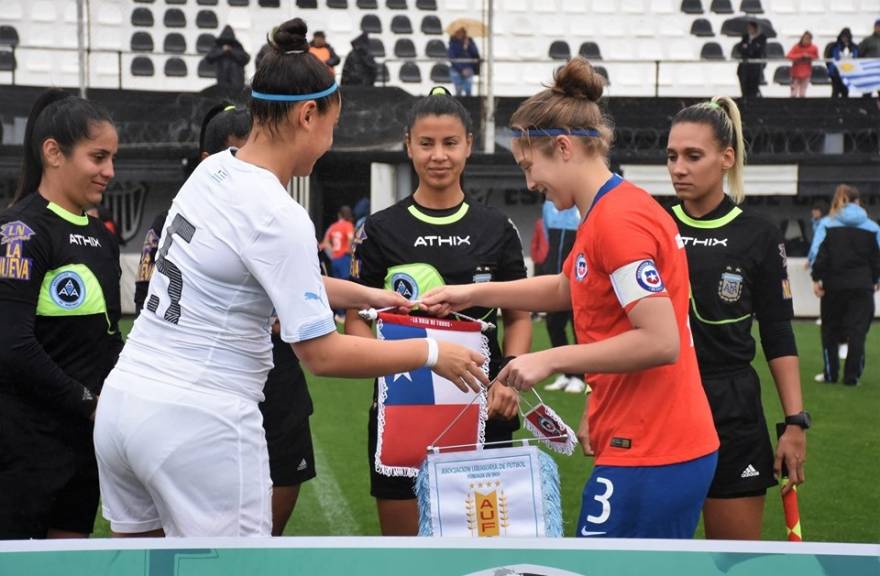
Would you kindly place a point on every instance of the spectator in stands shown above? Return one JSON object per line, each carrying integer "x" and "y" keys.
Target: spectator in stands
{"x": 560, "y": 226}
{"x": 322, "y": 50}
{"x": 843, "y": 49}
{"x": 753, "y": 45}
{"x": 229, "y": 58}
{"x": 802, "y": 55}
{"x": 870, "y": 48}
{"x": 846, "y": 273}
{"x": 360, "y": 68}
{"x": 461, "y": 47}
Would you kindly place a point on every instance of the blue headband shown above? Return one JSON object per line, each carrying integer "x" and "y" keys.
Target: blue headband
{"x": 294, "y": 97}
{"x": 541, "y": 132}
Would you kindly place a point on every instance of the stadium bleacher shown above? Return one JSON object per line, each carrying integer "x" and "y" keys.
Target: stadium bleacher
{"x": 160, "y": 44}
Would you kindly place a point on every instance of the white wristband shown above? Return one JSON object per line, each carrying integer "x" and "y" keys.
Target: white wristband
{"x": 433, "y": 353}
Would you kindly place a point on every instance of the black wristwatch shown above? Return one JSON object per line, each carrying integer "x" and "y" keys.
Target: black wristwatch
{"x": 801, "y": 419}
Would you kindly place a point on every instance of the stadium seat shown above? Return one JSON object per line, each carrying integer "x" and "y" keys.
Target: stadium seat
{"x": 590, "y": 51}
{"x": 175, "y": 18}
{"x": 711, "y": 51}
{"x": 181, "y": 1}
{"x": 377, "y": 48}
{"x": 692, "y": 6}
{"x": 206, "y": 19}
{"x": 782, "y": 76}
{"x": 440, "y": 74}
{"x": 400, "y": 24}
{"x": 721, "y": 7}
{"x": 175, "y": 68}
{"x": 206, "y": 2}
{"x": 395, "y": 4}
{"x": 559, "y": 50}
{"x": 604, "y": 73}
{"x": 367, "y": 4}
{"x": 141, "y": 42}
{"x": 141, "y": 17}
{"x": 383, "y": 76}
{"x": 142, "y": 66}
{"x": 308, "y": 4}
{"x": 175, "y": 43}
{"x": 144, "y": 1}
{"x": 410, "y": 73}
{"x": 436, "y": 49}
{"x": 207, "y": 70}
{"x": 8, "y": 36}
{"x": 338, "y": 4}
{"x": 426, "y": 4}
{"x": 204, "y": 43}
{"x": 775, "y": 51}
{"x": 737, "y": 26}
{"x": 371, "y": 24}
{"x": 820, "y": 75}
{"x": 431, "y": 25}
{"x": 269, "y": 3}
{"x": 751, "y": 7}
{"x": 404, "y": 48}
{"x": 237, "y": 3}
{"x": 7, "y": 61}
{"x": 702, "y": 28}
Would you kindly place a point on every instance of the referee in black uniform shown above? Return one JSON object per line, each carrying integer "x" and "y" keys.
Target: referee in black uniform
{"x": 436, "y": 237}
{"x": 59, "y": 301}
{"x": 738, "y": 273}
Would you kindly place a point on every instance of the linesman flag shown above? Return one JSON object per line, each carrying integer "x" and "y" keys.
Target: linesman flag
{"x": 863, "y": 75}
{"x": 416, "y": 407}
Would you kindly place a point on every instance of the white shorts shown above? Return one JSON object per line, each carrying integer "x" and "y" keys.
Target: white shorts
{"x": 189, "y": 462}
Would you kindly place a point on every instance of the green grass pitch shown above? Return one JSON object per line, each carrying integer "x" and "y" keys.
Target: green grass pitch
{"x": 839, "y": 502}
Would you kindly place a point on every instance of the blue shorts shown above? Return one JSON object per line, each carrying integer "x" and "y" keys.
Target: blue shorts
{"x": 341, "y": 267}
{"x": 646, "y": 501}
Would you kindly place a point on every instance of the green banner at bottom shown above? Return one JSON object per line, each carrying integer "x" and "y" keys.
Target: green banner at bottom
{"x": 432, "y": 557}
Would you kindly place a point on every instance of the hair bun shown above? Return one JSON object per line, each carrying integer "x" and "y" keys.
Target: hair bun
{"x": 578, "y": 79}
{"x": 291, "y": 36}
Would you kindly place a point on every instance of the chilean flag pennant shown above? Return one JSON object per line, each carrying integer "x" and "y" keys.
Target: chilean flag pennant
{"x": 548, "y": 427}
{"x": 416, "y": 407}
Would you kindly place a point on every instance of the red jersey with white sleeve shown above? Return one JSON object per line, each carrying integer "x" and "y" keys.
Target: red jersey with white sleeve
{"x": 627, "y": 249}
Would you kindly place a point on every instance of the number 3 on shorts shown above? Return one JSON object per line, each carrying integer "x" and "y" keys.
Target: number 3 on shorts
{"x": 603, "y": 499}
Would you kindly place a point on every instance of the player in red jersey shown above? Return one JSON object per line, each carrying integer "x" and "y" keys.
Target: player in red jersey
{"x": 626, "y": 281}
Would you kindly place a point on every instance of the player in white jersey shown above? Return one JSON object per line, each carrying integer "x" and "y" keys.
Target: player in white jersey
{"x": 178, "y": 433}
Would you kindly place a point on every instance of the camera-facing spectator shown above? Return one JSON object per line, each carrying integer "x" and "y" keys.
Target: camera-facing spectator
{"x": 229, "y": 58}
{"x": 843, "y": 49}
{"x": 462, "y": 47}
{"x": 322, "y": 50}
{"x": 753, "y": 45}
{"x": 802, "y": 55}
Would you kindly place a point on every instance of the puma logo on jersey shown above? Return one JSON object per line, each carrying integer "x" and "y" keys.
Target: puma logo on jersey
{"x": 442, "y": 241}
{"x": 80, "y": 240}
{"x": 708, "y": 242}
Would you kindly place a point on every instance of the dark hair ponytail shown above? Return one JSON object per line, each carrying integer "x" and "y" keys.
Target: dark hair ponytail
{"x": 289, "y": 68}
{"x": 439, "y": 103}
{"x": 61, "y": 116}
{"x": 221, "y": 122}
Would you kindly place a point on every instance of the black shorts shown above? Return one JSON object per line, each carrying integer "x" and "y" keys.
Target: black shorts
{"x": 48, "y": 472}
{"x": 745, "y": 458}
{"x": 403, "y": 488}
{"x": 288, "y": 436}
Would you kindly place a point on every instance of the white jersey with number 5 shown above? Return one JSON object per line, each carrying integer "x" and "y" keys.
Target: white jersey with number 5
{"x": 234, "y": 247}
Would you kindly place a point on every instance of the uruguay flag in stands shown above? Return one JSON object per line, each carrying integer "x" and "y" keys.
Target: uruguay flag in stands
{"x": 416, "y": 407}
{"x": 863, "y": 75}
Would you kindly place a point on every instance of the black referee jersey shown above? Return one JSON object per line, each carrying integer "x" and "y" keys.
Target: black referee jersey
{"x": 59, "y": 300}
{"x": 412, "y": 249}
{"x": 737, "y": 267}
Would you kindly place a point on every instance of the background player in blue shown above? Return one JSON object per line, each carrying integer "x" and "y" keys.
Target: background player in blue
{"x": 737, "y": 270}
{"x": 59, "y": 301}
{"x": 432, "y": 238}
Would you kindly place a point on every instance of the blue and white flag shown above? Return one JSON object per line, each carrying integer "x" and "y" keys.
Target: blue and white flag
{"x": 863, "y": 75}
